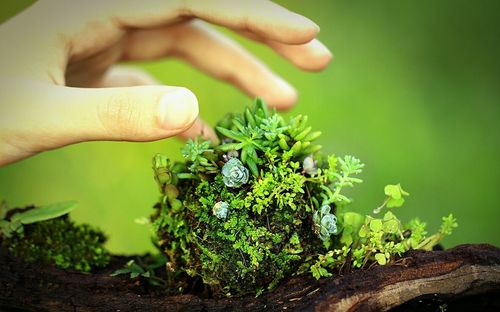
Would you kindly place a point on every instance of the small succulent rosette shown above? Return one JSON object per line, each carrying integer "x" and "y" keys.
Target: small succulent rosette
{"x": 220, "y": 209}
{"x": 325, "y": 223}
{"x": 234, "y": 173}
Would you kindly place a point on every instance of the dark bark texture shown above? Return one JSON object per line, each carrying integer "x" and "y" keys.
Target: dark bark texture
{"x": 464, "y": 278}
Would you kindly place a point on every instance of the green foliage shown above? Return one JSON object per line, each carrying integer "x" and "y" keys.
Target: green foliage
{"x": 371, "y": 240}
{"x": 395, "y": 197}
{"x": 46, "y": 235}
{"x": 244, "y": 233}
{"x": 257, "y": 130}
{"x": 28, "y": 216}
{"x": 144, "y": 268}
{"x": 325, "y": 223}
{"x": 199, "y": 156}
{"x": 60, "y": 242}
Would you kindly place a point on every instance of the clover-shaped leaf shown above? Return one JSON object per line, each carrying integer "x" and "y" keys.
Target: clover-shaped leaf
{"x": 381, "y": 259}
{"x": 395, "y": 194}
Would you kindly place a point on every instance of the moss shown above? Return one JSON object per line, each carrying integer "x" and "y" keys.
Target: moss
{"x": 264, "y": 204}
{"x": 267, "y": 231}
{"x": 61, "y": 242}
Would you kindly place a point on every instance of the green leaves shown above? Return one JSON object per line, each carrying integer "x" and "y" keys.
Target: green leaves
{"x": 257, "y": 131}
{"x": 351, "y": 225}
{"x": 376, "y": 225}
{"x": 145, "y": 270}
{"x": 199, "y": 156}
{"x": 319, "y": 272}
{"x": 449, "y": 223}
{"x": 55, "y": 241}
{"x": 38, "y": 214}
{"x": 395, "y": 194}
{"x": 381, "y": 259}
{"x": 44, "y": 213}
{"x": 395, "y": 197}
{"x": 163, "y": 173}
{"x": 132, "y": 268}
{"x": 349, "y": 166}
{"x": 231, "y": 228}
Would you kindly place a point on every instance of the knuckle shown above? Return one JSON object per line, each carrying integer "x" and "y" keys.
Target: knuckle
{"x": 119, "y": 117}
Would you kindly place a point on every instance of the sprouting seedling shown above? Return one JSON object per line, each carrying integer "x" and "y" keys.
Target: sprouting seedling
{"x": 146, "y": 270}
{"x": 395, "y": 197}
{"x": 38, "y": 214}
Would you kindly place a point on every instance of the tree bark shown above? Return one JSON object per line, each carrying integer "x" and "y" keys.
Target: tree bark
{"x": 456, "y": 279}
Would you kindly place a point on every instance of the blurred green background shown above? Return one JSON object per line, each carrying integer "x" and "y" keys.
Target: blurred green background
{"x": 414, "y": 91}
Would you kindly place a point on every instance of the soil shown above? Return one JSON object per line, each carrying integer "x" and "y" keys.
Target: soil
{"x": 463, "y": 278}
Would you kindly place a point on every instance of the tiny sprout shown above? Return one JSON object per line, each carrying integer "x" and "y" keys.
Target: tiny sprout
{"x": 220, "y": 209}
{"x": 325, "y": 223}
{"x": 234, "y": 173}
{"x": 310, "y": 165}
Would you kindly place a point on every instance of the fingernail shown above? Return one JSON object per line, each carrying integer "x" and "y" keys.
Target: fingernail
{"x": 314, "y": 26}
{"x": 178, "y": 109}
{"x": 283, "y": 95}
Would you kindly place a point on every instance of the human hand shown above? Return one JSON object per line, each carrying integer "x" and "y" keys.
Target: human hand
{"x": 60, "y": 83}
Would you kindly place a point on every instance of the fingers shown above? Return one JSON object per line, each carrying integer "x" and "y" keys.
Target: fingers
{"x": 133, "y": 114}
{"x": 120, "y": 76}
{"x": 261, "y": 17}
{"x": 310, "y": 56}
{"x": 216, "y": 55}
{"x": 200, "y": 128}
{"x": 62, "y": 115}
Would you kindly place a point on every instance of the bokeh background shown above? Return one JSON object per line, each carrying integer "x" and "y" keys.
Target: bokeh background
{"x": 414, "y": 91}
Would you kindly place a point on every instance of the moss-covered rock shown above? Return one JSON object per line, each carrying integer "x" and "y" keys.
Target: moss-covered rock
{"x": 57, "y": 241}
{"x": 265, "y": 204}
{"x": 240, "y": 214}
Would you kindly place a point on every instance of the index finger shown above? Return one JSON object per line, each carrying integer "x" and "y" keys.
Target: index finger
{"x": 261, "y": 17}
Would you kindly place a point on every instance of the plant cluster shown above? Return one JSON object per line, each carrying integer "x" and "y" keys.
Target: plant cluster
{"x": 47, "y": 235}
{"x": 144, "y": 268}
{"x": 266, "y": 204}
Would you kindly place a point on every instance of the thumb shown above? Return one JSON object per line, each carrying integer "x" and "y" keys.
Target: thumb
{"x": 51, "y": 116}
{"x": 143, "y": 113}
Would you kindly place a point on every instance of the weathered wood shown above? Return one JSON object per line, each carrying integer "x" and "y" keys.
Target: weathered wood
{"x": 454, "y": 279}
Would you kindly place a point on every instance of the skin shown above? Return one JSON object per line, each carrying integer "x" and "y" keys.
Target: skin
{"x": 62, "y": 85}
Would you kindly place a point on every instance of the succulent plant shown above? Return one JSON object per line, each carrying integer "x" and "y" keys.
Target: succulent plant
{"x": 288, "y": 209}
{"x": 325, "y": 223}
{"x": 234, "y": 173}
{"x": 220, "y": 209}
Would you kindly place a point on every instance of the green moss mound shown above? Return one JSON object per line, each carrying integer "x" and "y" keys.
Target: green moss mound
{"x": 57, "y": 241}
{"x": 265, "y": 204}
